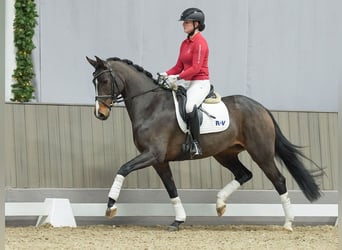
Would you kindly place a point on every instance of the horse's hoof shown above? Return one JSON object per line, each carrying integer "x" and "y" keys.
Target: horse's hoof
{"x": 174, "y": 226}
{"x": 221, "y": 210}
{"x": 288, "y": 226}
{"x": 111, "y": 212}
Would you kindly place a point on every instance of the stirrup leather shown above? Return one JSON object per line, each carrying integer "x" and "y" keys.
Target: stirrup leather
{"x": 195, "y": 149}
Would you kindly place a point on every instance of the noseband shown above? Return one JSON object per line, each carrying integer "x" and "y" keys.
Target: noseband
{"x": 115, "y": 92}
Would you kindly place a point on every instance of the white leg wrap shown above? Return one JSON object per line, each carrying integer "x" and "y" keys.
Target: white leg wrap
{"x": 289, "y": 216}
{"x": 227, "y": 190}
{"x": 179, "y": 209}
{"x": 116, "y": 187}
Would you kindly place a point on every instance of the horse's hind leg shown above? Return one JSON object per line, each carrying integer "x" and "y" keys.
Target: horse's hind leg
{"x": 241, "y": 174}
{"x": 165, "y": 175}
{"x": 279, "y": 182}
{"x": 270, "y": 169}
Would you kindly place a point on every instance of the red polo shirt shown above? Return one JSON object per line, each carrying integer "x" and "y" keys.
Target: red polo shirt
{"x": 192, "y": 63}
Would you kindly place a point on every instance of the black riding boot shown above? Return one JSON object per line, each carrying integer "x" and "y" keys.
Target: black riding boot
{"x": 194, "y": 126}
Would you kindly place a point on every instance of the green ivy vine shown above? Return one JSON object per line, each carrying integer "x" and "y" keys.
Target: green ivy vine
{"x": 24, "y": 24}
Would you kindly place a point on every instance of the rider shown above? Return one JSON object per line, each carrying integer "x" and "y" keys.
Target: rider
{"x": 192, "y": 66}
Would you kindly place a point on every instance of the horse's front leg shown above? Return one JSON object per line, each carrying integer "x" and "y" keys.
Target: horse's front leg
{"x": 165, "y": 174}
{"x": 141, "y": 161}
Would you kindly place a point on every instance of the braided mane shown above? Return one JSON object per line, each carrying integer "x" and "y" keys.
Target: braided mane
{"x": 137, "y": 67}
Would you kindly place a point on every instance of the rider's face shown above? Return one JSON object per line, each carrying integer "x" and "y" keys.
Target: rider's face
{"x": 188, "y": 26}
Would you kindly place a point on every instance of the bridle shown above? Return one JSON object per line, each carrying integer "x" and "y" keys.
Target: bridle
{"x": 115, "y": 94}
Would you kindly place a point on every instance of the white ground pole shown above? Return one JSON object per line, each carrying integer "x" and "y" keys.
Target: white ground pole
{"x": 10, "y": 48}
{"x": 2, "y": 132}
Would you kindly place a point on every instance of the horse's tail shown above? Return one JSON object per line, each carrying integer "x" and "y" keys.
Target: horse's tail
{"x": 290, "y": 155}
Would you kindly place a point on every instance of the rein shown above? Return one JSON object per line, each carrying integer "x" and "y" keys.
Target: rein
{"x": 140, "y": 94}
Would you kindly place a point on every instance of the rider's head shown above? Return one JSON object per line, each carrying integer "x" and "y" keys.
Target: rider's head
{"x": 193, "y": 15}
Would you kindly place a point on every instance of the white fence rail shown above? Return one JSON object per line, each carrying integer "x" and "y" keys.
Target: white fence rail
{"x": 60, "y": 212}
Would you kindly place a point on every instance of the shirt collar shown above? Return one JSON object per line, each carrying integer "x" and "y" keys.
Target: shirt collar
{"x": 196, "y": 36}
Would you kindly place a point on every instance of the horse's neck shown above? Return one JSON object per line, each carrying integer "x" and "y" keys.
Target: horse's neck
{"x": 145, "y": 107}
{"x": 140, "y": 97}
{"x": 134, "y": 82}
{"x": 136, "y": 87}
{"x": 140, "y": 100}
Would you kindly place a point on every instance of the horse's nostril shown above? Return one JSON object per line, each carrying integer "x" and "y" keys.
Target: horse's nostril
{"x": 101, "y": 116}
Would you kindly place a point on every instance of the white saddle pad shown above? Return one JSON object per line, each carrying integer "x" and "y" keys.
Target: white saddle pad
{"x": 219, "y": 123}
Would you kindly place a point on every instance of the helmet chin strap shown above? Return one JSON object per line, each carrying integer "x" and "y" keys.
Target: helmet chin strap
{"x": 193, "y": 30}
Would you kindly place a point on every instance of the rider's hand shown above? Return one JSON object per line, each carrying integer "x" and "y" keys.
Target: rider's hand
{"x": 173, "y": 78}
{"x": 162, "y": 78}
{"x": 172, "y": 81}
{"x": 164, "y": 74}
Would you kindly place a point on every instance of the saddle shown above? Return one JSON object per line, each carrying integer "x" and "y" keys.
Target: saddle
{"x": 211, "y": 98}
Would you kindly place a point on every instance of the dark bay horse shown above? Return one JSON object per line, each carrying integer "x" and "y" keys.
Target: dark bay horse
{"x": 158, "y": 137}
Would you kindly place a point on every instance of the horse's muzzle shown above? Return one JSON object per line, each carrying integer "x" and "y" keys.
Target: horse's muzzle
{"x": 101, "y": 113}
{"x": 101, "y": 117}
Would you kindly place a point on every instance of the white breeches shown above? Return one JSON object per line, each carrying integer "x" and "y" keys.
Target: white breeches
{"x": 196, "y": 93}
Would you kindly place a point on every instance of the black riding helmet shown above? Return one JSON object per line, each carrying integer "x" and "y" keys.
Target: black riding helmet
{"x": 193, "y": 14}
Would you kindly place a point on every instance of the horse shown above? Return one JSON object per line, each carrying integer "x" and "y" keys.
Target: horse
{"x": 159, "y": 139}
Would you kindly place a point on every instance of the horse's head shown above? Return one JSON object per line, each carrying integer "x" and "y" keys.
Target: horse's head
{"x": 106, "y": 87}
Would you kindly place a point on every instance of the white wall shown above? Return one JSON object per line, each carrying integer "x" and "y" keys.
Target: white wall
{"x": 285, "y": 54}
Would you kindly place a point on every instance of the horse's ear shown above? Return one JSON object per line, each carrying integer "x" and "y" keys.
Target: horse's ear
{"x": 99, "y": 62}
{"x": 92, "y": 62}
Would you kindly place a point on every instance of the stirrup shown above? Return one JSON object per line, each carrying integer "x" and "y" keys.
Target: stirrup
{"x": 195, "y": 149}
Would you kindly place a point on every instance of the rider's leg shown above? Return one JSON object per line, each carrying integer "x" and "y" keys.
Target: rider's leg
{"x": 196, "y": 94}
{"x": 194, "y": 126}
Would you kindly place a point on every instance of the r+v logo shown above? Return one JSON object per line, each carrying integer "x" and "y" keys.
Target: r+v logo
{"x": 220, "y": 123}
